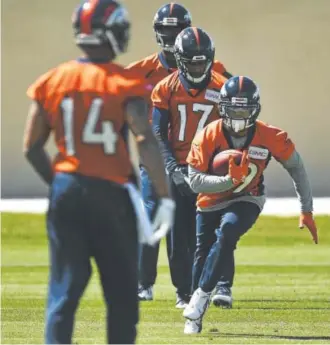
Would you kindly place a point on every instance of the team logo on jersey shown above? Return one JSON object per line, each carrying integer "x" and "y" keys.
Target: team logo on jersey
{"x": 258, "y": 152}
{"x": 212, "y": 95}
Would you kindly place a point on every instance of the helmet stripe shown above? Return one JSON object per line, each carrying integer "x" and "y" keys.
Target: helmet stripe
{"x": 196, "y": 33}
{"x": 240, "y": 83}
{"x": 171, "y": 7}
{"x": 86, "y": 16}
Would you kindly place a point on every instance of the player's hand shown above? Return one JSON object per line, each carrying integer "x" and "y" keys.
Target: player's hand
{"x": 239, "y": 172}
{"x": 307, "y": 220}
{"x": 181, "y": 181}
{"x": 163, "y": 220}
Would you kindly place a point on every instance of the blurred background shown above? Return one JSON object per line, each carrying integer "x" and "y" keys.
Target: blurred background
{"x": 283, "y": 45}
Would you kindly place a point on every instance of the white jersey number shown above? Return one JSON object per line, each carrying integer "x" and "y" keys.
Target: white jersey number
{"x": 206, "y": 110}
{"x": 252, "y": 174}
{"x": 106, "y": 137}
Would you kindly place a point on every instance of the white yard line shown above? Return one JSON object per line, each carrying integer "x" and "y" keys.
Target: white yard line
{"x": 274, "y": 206}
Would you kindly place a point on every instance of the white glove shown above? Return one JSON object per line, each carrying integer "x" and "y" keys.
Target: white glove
{"x": 163, "y": 220}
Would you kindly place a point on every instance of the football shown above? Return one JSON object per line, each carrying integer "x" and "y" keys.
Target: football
{"x": 220, "y": 163}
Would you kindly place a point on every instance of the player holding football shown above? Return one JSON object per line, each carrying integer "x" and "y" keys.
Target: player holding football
{"x": 88, "y": 104}
{"x": 229, "y": 205}
{"x": 183, "y": 103}
{"x": 169, "y": 21}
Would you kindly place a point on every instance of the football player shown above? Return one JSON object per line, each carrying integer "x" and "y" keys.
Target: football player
{"x": 183, "y": 103}
{"x": 229, "y": 205}
{"x": 88, "y": 104}
{"x": 168, "y": 22}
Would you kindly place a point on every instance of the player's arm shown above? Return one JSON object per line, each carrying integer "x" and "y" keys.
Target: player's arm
{"x": 201, "y": 182}
{"x": 296, "y": 168}
{"x": 150, "y": 155}
{"x": 201, "y": 152}
{"x": 160, "y": 121}
{"x": 285, "y": 152}
{"x": 36, "y": 134}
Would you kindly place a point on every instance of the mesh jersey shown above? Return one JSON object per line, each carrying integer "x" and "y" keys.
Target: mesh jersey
{"x": 189, "y": 111}
{"x": 266, "y": 141}
{"x": 153, "y": 69}
{"x": 84, "y": 103}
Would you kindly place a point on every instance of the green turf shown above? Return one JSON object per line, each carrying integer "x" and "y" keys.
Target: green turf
{"x": 281, "y": 290}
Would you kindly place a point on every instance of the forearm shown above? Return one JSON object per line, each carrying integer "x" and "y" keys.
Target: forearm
{"x": 151, "y": 158}
{"x": 41, "y": 163}
{"x": 36, "y": 134}
{"x": 167, "y": 154}
{"x": 205, "y": 183}
{"x": 295, "y": 167}
{"x": 160, "y": 123}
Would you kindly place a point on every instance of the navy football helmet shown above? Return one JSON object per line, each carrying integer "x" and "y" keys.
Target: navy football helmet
{"x": 168, "y": 22}
{"x": 239, "y": 104}
{"x": 194, "y": 53}
{"x": 99, "y": 22}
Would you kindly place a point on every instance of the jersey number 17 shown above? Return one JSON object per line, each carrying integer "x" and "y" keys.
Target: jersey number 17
{"x": 205, "y": 109}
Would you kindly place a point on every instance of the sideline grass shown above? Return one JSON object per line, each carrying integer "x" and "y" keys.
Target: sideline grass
{"x": 281, "y": 290}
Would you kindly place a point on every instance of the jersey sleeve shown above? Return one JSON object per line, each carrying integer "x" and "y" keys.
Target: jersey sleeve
{"x": 141, "y": 68}
{"x": 160, "y": 96}
{"x": 138, "y": 66}
{"x": 134, "y": 66}
{"x": 38, "y": 90}
{"x": 218, "y": 67}
{"x": 136, "y": 88}
{"x": 280, "y": 145}
{"x": 202, "y": 149}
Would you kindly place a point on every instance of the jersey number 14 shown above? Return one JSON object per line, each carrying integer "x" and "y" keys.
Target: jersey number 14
{"x": 106, "y": 137}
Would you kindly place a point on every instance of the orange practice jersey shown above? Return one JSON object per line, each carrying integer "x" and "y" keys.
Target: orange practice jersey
{"x": 188, "y": 112}
{"x": 267, "y": 141}
{"x": 151, "y": 69}
{"x": 154, "y": 69}
{"x": 85, "y": 109}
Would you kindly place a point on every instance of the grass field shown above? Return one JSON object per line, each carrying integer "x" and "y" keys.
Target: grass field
{"x": 281, "y": 290}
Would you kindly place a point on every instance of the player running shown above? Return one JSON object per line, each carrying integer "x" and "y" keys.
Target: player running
{"x": 229, "y": 205}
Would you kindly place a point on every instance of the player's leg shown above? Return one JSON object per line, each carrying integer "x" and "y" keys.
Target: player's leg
{"x": 206, "y": 222}
{"x": 222, "y": 296}
{"x": 236, "y": 220}
{"x": 148, "y": 254}
{"x": 115, "y": 249}
{"x": 191, "y": 236}
{"x": 180, "y": 260}
{"x": 70, "y": 267}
